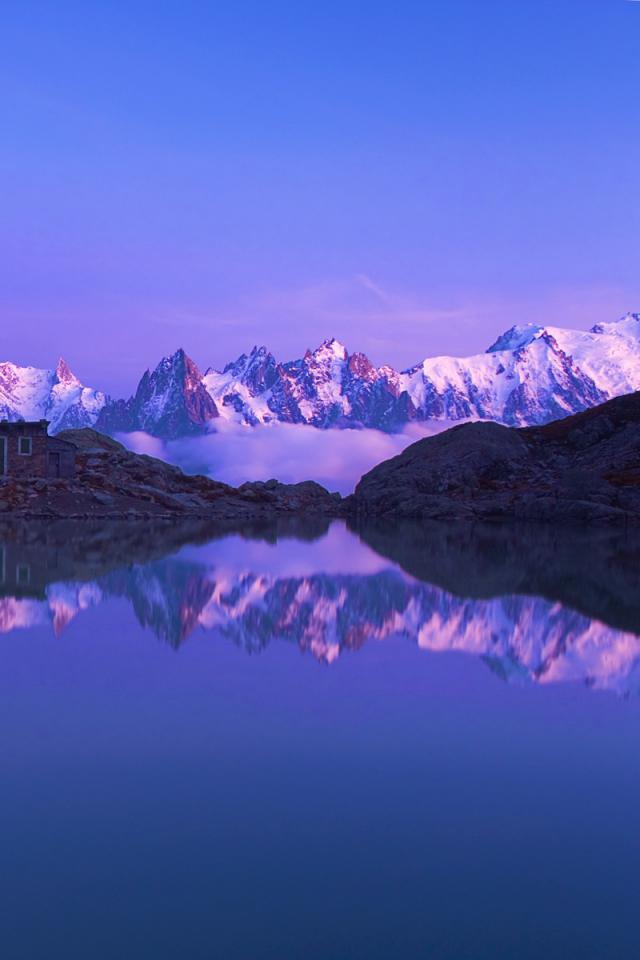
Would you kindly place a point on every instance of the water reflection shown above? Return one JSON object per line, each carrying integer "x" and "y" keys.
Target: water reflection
{"x": 536, "y": 604}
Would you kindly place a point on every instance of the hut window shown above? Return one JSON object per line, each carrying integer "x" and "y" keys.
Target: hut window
{"x": 24, "y": 446}
{"x": 23, "y": 574}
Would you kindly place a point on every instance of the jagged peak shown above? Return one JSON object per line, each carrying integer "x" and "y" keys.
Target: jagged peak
{"x": 233, "y": 366}
{"x": 179, "y": 356}
{"x": 331, "y": 346}
{"x": 247, "y": 361}
{"x": 361, "y": 366}
{"x": 257, "y": 355}
{"x": 179, "y": 362}
{"x": 64, "y": 373}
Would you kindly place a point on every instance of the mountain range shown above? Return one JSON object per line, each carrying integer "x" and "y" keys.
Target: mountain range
{"x": 531, "y": 374}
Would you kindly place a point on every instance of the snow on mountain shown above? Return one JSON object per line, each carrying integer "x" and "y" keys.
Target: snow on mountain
{"x": 243, "y": 390}
{"x": 326, "y": 388}
{"x": 27, "y": 393}
{"x": 170, "y": 402}
{"x": 516, "y": 337}
{"x": 530, "y": 375}
{"x": 537, "y": 381}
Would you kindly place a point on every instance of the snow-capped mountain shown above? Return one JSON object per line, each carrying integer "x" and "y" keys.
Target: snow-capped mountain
{"x": 530, "y": 375}
{"x": 27, "y": 393}
{"x": 326, "y": 388}
{"x": 170, "y": 402}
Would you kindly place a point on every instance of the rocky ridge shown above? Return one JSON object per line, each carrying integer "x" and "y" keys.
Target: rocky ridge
{"x": 580, "y": 468}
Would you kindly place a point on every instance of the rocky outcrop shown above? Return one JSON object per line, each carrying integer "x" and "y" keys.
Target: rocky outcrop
{"x": 112, "y": 482}
{"x": 581, "y": 468}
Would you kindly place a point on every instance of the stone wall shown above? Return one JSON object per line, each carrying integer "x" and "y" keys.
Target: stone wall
{"x": 26, "y": 465}
{"x": 49, "y": 456}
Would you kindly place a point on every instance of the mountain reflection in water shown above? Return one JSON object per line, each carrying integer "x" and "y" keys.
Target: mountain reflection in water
{"x": 536, "y": 604}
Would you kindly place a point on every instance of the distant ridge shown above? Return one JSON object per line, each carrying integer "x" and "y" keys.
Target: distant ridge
{"x": 530, "y": 375}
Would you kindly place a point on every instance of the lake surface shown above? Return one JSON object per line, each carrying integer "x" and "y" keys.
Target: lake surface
{"x": 310, "y": 742}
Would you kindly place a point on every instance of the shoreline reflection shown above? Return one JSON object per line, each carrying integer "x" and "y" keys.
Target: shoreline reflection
{"x": 536, "y": 605}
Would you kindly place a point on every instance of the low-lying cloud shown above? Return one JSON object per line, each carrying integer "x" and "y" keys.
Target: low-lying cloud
{"x": 289, "y": 452}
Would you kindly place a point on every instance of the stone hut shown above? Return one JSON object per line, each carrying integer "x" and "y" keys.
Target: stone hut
{"x": 27, "y": 451}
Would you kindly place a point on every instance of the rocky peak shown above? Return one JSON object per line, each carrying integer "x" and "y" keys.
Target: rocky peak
{"x": 258, "y": 371}
{"x": 174, "y": 363}
{"x": 330, "y": 349}
{"x": 172, "y": 401}
{"x": 175, "y": 369}
{"x": 64, "y": 374}
{"x": 360, "y": 366}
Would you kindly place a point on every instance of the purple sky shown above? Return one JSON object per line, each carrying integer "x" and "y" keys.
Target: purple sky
{"x": 411, "y": 178}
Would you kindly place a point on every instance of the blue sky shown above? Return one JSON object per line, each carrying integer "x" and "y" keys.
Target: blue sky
{"x": 412, "y": 178}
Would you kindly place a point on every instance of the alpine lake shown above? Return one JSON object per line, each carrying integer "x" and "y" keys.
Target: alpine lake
{"x": 315, "y": 741}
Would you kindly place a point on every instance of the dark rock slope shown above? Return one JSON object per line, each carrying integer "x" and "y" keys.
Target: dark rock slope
{"x": 113, "y": 482}
{"x": 582, "y": 468}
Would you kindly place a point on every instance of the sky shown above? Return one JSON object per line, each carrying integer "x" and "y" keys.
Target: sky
{"x": 412, "y": 178}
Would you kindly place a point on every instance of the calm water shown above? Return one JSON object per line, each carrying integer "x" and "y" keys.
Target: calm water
{"x": 316, "y": 743}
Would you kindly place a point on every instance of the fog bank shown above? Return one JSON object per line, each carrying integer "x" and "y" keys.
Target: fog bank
{"x": 289, "y": 452}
